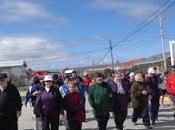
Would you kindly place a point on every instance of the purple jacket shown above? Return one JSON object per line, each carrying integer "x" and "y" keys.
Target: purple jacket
{"x": 49, "y": 103}
{"x": 119, "y": 101}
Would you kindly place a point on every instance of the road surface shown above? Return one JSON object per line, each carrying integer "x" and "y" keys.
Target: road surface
{"x": 165, "y": 121}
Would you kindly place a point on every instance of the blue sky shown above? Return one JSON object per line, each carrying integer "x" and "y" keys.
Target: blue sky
{"x": 56, "y": 34}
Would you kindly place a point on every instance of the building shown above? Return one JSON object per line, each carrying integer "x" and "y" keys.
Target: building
{"x": 16, "y": 70}
{"x": 154, "y": 61}
{"x": 124, "y": 66}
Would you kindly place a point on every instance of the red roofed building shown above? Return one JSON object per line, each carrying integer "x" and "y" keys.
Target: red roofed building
{"x": 39, "y": 74}
{"x": 129, "y": 64}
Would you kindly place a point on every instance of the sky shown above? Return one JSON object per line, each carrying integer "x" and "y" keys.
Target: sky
{"x": 54, "y": 34}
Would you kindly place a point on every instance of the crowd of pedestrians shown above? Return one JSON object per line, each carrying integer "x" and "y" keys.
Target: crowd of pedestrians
{"x": 60, "y": 99}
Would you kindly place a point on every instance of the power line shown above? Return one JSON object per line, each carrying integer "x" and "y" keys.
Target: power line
{"x": 132, "y": 33}
{"x": 102, "y": 59}
{"x": 61, "y": 57}
{"x": 147, "y": 21}
{"x": 89, "y": 52}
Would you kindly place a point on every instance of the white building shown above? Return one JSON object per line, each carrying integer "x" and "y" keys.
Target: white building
{"x": 16, "y": 70}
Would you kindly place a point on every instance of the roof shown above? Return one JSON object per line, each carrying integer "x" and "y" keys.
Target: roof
{"x": 130, "y": 63}
{"x": 39, "y": 74}
{"x": 68, "y": 71}
{"x": 12, "y": 63}
{"x": 154, "y": 59}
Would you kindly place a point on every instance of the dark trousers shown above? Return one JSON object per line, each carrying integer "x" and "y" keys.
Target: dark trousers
{"x": 50, "y": 123}
{"x": 143, "y": 113}
{"x": 8, "y": 125}
{"x": 102, "y": 122}
{"x": 119, "y": 117}
{"x": 154, "y": 107}
{"x": 74, "y": 125}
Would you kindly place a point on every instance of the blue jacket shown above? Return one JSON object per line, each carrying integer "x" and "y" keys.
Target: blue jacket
{"x": 64, "y": 90}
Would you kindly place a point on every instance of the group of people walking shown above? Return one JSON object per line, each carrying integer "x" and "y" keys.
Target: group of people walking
{"x": 111, "y": 94}
{"x": 56, "y": 97}
{"x": 114, "y": 96}
{"x": 59, "y": 99}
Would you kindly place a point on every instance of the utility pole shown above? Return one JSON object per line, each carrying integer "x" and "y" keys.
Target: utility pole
{"x": 111, "y": 49}
{"x": 93, "y": 62}
{"x": 162, "y": 41}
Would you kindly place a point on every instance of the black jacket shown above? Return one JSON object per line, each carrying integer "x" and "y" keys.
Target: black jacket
{"x": 10, "y": 102}
{"x": 152, "y": 84}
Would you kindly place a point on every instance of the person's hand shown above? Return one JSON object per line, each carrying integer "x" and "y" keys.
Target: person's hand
{"x": 62, "y": 111}
{"x": 36, "y": 93}
{"x": 144, "y": 92}
{"x": 38, "y": 118}
{"x": 150, "y": 97}
{"x": 18, "y": 113}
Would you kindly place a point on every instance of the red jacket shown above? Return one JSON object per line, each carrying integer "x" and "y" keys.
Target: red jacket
{"x": 87, "y": 81}
{"x": 170, "y": 84}
{"x": 74, "y": 107}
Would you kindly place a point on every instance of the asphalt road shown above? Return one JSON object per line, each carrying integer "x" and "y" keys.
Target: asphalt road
{"x": 165, "y": 120}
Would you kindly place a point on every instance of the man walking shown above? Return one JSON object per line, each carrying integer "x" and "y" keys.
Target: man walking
{"x": 152, "y": 83}
{"x": 99, "y": 97}
{"x": 10, "y": 104}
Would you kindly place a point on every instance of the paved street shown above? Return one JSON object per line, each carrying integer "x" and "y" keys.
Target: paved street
{"x": 165, "y": 122}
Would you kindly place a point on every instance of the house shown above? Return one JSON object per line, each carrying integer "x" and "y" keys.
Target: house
{"x": 16, "y": 70}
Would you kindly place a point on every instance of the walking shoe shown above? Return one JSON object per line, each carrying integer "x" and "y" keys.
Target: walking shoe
{"x": 153, "y": 123}
{"x": 174, "y": 115}
{"x": 61, "y": 123}
{"x": 148, "y": 127}
{"x": 134, "y": 123}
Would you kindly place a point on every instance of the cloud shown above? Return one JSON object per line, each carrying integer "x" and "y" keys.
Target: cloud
{"x": 32, "y": 49}
{"x": 136, "y": 9}
{"x": 39, "y": 53}
{"x": 20, "y": 10}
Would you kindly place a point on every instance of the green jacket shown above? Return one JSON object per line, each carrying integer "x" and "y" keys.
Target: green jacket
{"x": 138, "y": 100}
{"x": 99, "y": 99}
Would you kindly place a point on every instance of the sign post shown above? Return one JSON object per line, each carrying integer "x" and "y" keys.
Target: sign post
{"x": 172, "y": 52}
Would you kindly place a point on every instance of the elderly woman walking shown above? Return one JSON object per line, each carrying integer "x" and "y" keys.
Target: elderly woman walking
{"x": 49, "y": 105}
{"x": 139, "y": 99}
{"x": 120, "y": 96}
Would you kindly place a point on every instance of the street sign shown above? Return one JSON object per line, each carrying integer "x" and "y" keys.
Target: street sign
{"x": 172, "y": 52}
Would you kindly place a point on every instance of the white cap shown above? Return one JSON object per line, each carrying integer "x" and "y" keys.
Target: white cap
{"x": 48, "y": 78}
{"x": 85, "y": 73}
{"x": 151, "y": 70}
{"x": 131, "y": 74}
